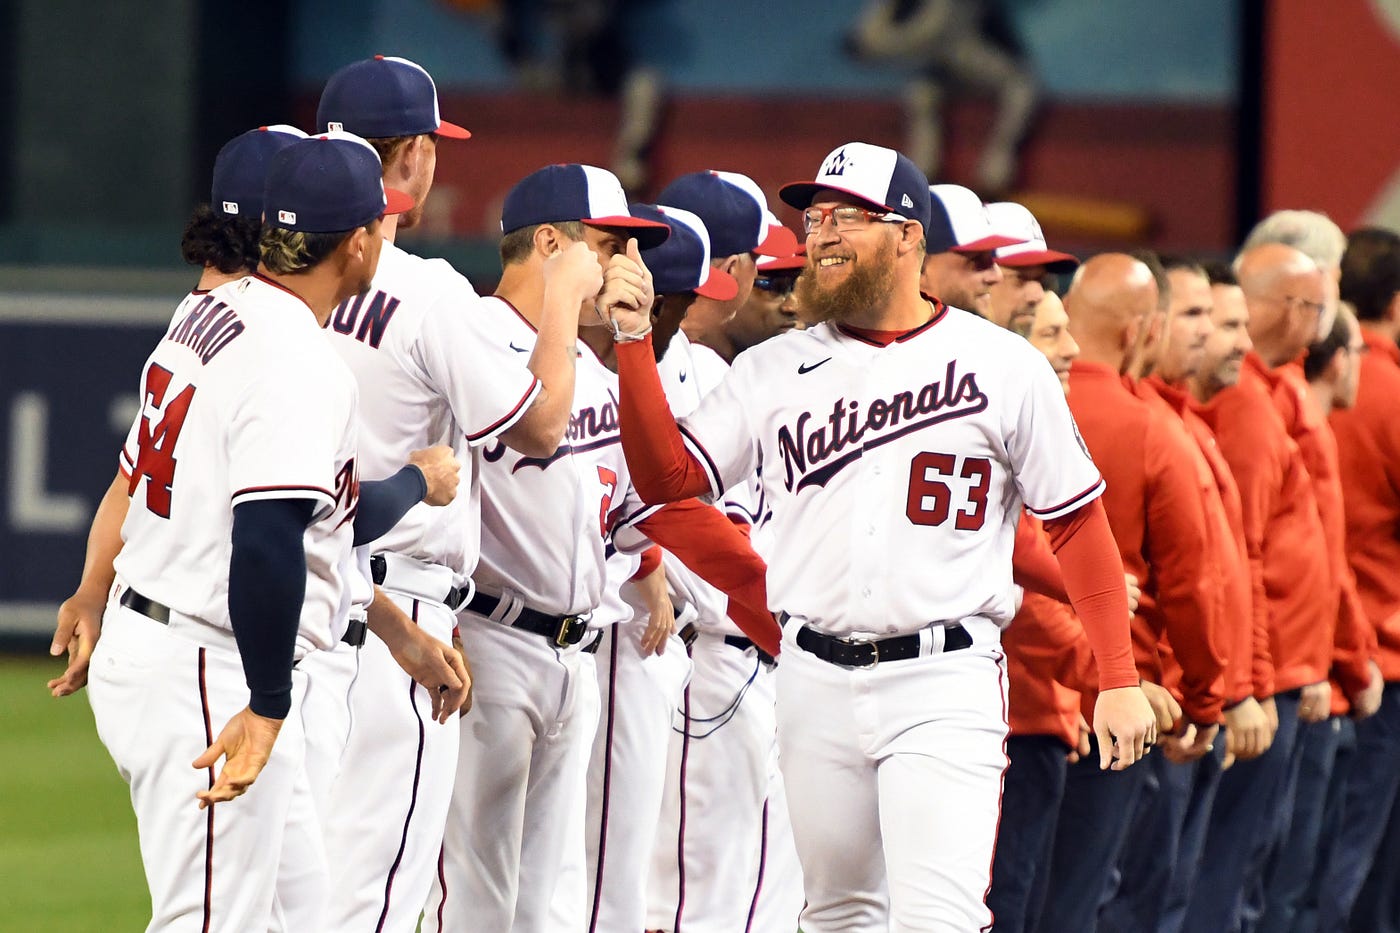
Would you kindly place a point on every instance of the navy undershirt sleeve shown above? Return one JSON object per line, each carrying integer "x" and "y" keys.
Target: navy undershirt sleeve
{"x": 383, "y": 502}
{"x": 266, "y": 586}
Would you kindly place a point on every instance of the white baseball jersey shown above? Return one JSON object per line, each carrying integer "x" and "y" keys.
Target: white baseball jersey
{"x": 545, "y": 520}
{"x": 241, "y": 400}
{"x": 425, "y": 351}
{"x": 895, "y": 474}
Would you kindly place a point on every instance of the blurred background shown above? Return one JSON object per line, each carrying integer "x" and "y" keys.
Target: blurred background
{"x": 1124, "y": 124}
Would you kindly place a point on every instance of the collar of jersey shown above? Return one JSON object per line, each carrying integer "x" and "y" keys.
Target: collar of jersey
{"x": 883, "y": 338}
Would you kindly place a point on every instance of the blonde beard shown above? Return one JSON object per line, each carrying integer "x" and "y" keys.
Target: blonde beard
{"x": 867, "y": 286}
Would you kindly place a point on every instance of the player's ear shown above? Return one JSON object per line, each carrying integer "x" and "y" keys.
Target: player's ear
{"x": 911, "y": 235}
{"x": 548, "y": 240}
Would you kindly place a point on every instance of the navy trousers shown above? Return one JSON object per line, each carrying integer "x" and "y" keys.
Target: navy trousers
{"x": 1030, "y": 808}
{"x": 1205, "y": 780}
{"x": 1095, "y": 816}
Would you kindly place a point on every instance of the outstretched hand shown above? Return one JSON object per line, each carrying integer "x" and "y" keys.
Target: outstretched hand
{"x": 245, "y": 744}
{"x": 79, "y": 625}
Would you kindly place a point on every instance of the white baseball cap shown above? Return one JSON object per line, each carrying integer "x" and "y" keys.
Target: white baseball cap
{"x": 960, "y": 223}
{"x": 1016, "y": 220}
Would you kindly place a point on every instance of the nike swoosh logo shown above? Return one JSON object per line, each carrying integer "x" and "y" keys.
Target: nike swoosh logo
{"x": 806, "y": 368}
{"x": 518, "y": 349}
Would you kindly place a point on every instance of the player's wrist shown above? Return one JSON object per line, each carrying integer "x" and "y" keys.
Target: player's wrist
{"x": 271, "y": 704}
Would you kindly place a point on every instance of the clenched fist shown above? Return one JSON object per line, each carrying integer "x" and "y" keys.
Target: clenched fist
{"x": 628, "y": 293}
{"x": 575, "y": 272}
{"x": 441, "y": 470}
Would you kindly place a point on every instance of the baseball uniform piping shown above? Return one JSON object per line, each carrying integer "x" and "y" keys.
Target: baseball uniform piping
{"x": 209, "y": 811}
{"x": 762, "y": 867}
{"x": 607, "y": 786}
{"x": 1001, "y": 779}
{"x": 442, "y": 882}
{"x": 680, "y": 836}
{"x": 412, "y": 800}
{"x": 706, "y": 461}
{"x": 1070, "y": 504}
{"x": 511, "y": 417}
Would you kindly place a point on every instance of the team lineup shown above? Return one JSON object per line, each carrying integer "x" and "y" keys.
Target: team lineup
{"x": 912, "y": 576}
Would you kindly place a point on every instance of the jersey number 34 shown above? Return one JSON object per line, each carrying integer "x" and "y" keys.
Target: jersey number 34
{"x": 155, "y": 459}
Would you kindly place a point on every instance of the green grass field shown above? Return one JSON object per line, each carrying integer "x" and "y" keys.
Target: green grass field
{"x": 68, "y": 851}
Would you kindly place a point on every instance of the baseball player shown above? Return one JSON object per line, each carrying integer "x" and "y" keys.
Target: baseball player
{"x": 404, "y": 340}
{"x": 214, "y": 601}
{"x": 892, "y": 430}
{"x": 641, "y": 672}
{"x": 1027, "y": 268}
{"x": 960, "y": 266}
{"x": 221, "y": 240}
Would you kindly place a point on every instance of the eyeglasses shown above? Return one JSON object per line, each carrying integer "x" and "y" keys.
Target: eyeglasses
{"x": 1316, "y": 307}
{"x": 776, "y": 284}
{"x": 846, "y": 217}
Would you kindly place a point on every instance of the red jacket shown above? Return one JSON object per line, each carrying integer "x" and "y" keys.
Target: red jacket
{"x": 1368, "y": 448}
{"x": 1153, "y": 500}
{"x": 1238, "y": 635}
{"x": 1048, "y": 661}
{"x": 1281, "y": 524}
{"x": 1354, "y": 640}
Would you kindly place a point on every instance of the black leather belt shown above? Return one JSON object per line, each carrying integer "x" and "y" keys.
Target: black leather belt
{"x": 847, "y": 653}
{"x": 159, "y": 612}
{"x": 156, "y": 612}
{"x": 563, "y": 631}
{"x": 379, "y": 570}
{"x": 689, "y": 633}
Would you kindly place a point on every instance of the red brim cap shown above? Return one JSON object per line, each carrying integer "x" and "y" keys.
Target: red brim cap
{"x": 648, "y": 233}
{"x": 778, "y": 242}
{"x": 720, "y": 286}
{"x": 986, "y": 244}
{"x": 398, "y": 202}
{"x": 453, "y": 131}
{"x": 785, "y": 264}
{"x": 1054, "y": 260}
{"x": 799, "y": 194}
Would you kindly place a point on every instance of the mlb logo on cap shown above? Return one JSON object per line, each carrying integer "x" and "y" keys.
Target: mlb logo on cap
{"x": 682, "y": 263}
{"x": 240, "y": 169}
{"x": 733, "y": 208}
{"x": 328, "y": 184}
{"x": 959, "y": 223}
{"x": 1015, "y": 220}
{"x": 873, "y": 175}
{"x": 573, "y": 192}
{"x": 381, "y": 98}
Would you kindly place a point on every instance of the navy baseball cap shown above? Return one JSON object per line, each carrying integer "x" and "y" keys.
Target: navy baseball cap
{"x": 682, "y": 263}
{"x": 381, "y": 98}
{"x": 879, "y": 177}
{"x": 328, "y": 184}
{"x": 733, "y": 208}
{"x": 1016, "y": 220}
{"x": 959, "y": 223}
{"x": 573, "y": 192}
{"x": 240, "y": 169}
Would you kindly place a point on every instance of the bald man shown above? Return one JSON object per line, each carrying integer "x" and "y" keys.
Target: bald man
{"x": 1155, "y": 509}
{"x": 1285, "y": 295}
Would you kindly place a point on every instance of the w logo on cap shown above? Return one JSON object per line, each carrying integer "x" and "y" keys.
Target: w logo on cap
{"x": 835, "y": 164}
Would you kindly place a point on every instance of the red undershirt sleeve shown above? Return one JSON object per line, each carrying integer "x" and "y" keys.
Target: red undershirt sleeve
{"x": 720, "y": 554}
{"x": 662, "y": 469}
{"x": 1093, "y": 574}
{"x": 651, "y": 559}
{"x": 1033, "y": 564}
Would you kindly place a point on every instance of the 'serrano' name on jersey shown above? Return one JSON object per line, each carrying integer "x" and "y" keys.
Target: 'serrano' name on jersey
{"x": 854, "y": 427}
{"x": 208, "y": 327}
